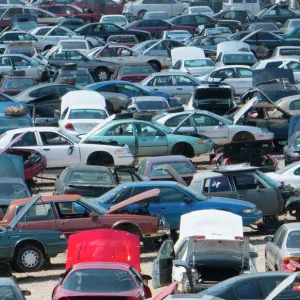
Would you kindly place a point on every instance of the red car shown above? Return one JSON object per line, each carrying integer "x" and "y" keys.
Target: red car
{"x": 132, "y": 72}
{"x": 72, "y": 11}
{"x": 103, "y": 7}
{"x": 156, "y": 27}
{"x": 103, "y": 263}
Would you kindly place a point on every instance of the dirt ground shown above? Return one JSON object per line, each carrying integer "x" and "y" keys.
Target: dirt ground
{"x": 41, "y": 283}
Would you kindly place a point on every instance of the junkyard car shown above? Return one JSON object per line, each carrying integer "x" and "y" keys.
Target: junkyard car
{"x": 204, "y": 256}
{"x": 220, "y": 129}
{"x": 62, "y": 149}
{"x": 26, "y": 249}
{"x": 151, "y": 104}
{"x": 11, "y": 289}
{"x": 291, "y": 150}
{"x": 249, "y": 184}
{"x": 290, "y": 104}
{"x": 282, "y": 246}
{"x": 146, "y": 138}
{"x": 14, "y": 84}
{"x": 71, "y": 214}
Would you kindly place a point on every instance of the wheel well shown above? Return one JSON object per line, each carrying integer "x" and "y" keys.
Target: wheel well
{"x": 103, "y": 67}
{"x": 94, "y": 156}
{"x": 243, "y": 132}
{"x": 186, "y": 145}
{"x": 155, "y": 62}
{"x": 36, "y": 243}
{"x": 129, "y": 227}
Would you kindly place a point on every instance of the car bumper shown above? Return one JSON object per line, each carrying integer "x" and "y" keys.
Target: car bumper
{"x": 264, "y": 136}
{"x": 124, "y": 160}
{"x": 249, "y": 219}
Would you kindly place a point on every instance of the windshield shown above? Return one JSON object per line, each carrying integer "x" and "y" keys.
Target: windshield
{"x": 91, "y": 177}
{"x": 152, "y": 105}
{"x": 13, "y": 190}
{"x": 26, "y": 25}
{"x": 156, "y": 16}
{"x": 143, "y": 69}
{"x": 88, "y": 114}
{"x": 95, "y": 281}
{"x": 239, "y": 59}
{"x": 266, "y": 27}
{"x": 19, "y": 83}
{"x": 270, "y": 181}
{"x": 114, "y": 19}
{"x": 83, "y": 80}
{"x": 198, "y": 63}
{"x": 178, "y": 32}
{"x": 94, "y": 206}
{"x": 189, "y": 191}
{"x": 15, "y": 122}
{"x": 162, "y": 127}
{"x": 74, "y": 45}
{"x": 72, "y": 138}
{"x": 293, "y": 239}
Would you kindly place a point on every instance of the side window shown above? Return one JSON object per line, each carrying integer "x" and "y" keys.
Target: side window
{"x": 41, "y": 92}
{"x": 201, "y": 19}
{"x": 225, "y": 73}
{"x": 126, "y": 88}
{"x": 181, "y": 251}
{"x": 272, "y": 12}
{"x": 53, "y": 139}
{"x": 139, "y": 190}
{"x": 145, "y": 23}
{"x": 54, "y": 9}
{"x": 184, "y": 81}
{"x": 120, "y": 130}
{"x": 277, "y": 234}
{"x": 244, "y": 73}
{"x": 227, "y": 16}
{"x": 247, "y": 290}
{"x": 158, "y": 23}
{"x": 295, "y": 105}
{"x": 163, "y": 81}
{"x": 175, "y": 121}
{"x": 20, "y": 62}
{"x": 268, "y": 284}
{"x": 147, "y": 130}
{"x": 202, "y": 120}
{"x": 178, "y": 64}
{"x": 281, "y": 237}
{"x": 284, "y": 12}
{"x": 297, "y": 171}
{"x": 217, "y": 184}
{"x": 245, "y": 182}
{"x": 38, "y": 212}
{"x": 187, "y": 20}
{"x": 74, "y": 55}
{"x": 111, "y": 28}
{"x": 169, "y": 195}
{"x": 274, "y": 64}
{"x": 295, "y": 66}
{"x": 5, "y": 61}
{"x": 71, "y": 210}
{"x": 27, "y": 140}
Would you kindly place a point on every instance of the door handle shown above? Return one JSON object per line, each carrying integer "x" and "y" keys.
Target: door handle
{"x": 46, "y": 149}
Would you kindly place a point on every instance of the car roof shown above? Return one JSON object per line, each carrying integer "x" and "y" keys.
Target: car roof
{"x": 148, "y": 183}
{"x": 39, "y": 128}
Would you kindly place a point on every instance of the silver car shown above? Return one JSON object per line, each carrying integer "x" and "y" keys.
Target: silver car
{"x": 172, "y": 83}
{"x": 284, "y": 243}
{"x": 31, "y": 66}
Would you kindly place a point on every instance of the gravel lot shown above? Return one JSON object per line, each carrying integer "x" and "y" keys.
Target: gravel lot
{"x": 42, "y": 283}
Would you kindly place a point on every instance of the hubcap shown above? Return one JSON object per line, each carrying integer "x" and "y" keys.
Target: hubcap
{"x": 30, "y": 258}
{"x": 102, "y": 75}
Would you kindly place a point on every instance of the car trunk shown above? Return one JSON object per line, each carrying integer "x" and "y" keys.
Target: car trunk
{"x": 216, "y": 100}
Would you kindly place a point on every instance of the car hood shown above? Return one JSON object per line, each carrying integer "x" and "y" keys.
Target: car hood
{"x": 179, "y": 53}
{"x": 243, "y": 109}
{"x": 104, "y": 245}
{"x": 224, "y": 202}
{"x": 12, "y": 142}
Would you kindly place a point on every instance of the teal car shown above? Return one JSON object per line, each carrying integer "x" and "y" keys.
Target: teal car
{"x": 292, "y": 34}
{"x": 149, "y": 138}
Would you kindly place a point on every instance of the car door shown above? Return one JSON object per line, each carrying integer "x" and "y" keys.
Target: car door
{"x": 5, "y": 64}
{"x": 295, "y": 67}
{"x": 162, "y": 84}
{"x": 122, "y": 133}
{"x": 271, "y": 250}
{"x": 249, "y": 187}
{"x": 219, "y": 186}
{"x": 184, "y": 86}
{"x": 163, "y": 265}
{"x": 244, "y": 80}
{"x": 59, "y": 151}
{"x": 150, "y": 140}
{"x": 213, "y": 128}
{"x": 73, "y": 216}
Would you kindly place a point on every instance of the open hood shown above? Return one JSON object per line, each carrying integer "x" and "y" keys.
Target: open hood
{"x": 250, "y": 34}
{"x": 13, "y": 141}
{"x": 232, "y": 46}
{"x": 179, "y": 53}
{"x": 212, "y": 224}
{"x": 11, "y": 166}
{"x": 14, "y": 222}
{"x": 133, "y": 200}
{"x": 243, "y": 109}
{"x": 104, "y": 245}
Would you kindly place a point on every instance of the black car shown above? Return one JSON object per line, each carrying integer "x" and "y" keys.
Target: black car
{"x": 265, "y": 26}
{"x": 244, "y": 16}
{"x": 198, "y": 19}
{"x": 278, "y": 14}
{"x": 72, "y": 23}
{"x": 292, "y": 150}
{"x": 107, "y": 29}
{"x": 253, "y": 286}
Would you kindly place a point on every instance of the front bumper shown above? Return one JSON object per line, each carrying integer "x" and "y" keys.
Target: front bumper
{"x": 252, "y": 218}
{"x": 124, "y": 159}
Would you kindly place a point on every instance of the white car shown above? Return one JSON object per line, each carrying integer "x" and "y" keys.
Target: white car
{"x": 140, "y": 7}
{"x": 286, "y": 52}
{"x": 204, "y": 10}
{"x": 119, "y": 20}
{"x": 81, "y": 111}
{"x": 281, "y": 63}
{"x": 238, "y": 76}
{"x": 221, "y": 130}
{"x": 290, "y": 174}
{"x": 211, "y": 242}
{"x": 75, "y": 44}
{"x": 62, "y": 149}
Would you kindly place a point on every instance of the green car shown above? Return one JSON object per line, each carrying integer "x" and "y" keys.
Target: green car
{"x": 292, "y": 34}
{"x": 149, "y": 138}
{"x": 27, "y": 250}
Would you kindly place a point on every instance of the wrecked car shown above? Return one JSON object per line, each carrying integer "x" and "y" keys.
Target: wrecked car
{"x": 211, "y": 248}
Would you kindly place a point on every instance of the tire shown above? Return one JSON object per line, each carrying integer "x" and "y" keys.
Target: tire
{"x": 175, "y": 110}
{"x": 243, "y": 136}
{"x": 141, "y": 13}
{"x": 29, "y": 258}
{"x": 102, "y": 74}
{"x": 143, "y": 116}
{"x": 183, "y": 149}
{"x": 155, "y": 65}
{"x": 123, "y": 116}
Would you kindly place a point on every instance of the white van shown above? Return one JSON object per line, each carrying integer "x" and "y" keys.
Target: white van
{"x": 252, "y": 5}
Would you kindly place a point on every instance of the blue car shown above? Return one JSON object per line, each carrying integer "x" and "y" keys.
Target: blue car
{"x": 175, "y": 200}
{"x": 124, "y": 87}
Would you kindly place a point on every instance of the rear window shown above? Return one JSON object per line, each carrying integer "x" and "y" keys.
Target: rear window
{"x": 136, "y": 69}
{"x": 152, "y": 105}
{"x": 15, "y": 122}
{"x": 99, "y": 281}
{"x": 88, "y": 114}
{"x": 289, "y": 52}
{"x": 197, "y": 63}
{"x": 181, "y": 167}
{"x": 239, "y": 59}
{"x": 19, "y": 83}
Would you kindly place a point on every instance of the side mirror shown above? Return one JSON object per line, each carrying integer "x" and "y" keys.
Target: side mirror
{"x": 188, "y": 200}
{"x": 268, "y": 239}
{"x": 26, "y": 293}
{"x": 253, "y": 255}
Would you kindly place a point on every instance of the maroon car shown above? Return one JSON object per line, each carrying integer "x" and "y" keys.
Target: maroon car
{"x": 156, "y": 27}
{"x": 107, "y": 7}
{"x": 13, "y": 85}
{"x": 72, "y": 11}
{"x": 132, "y": 72}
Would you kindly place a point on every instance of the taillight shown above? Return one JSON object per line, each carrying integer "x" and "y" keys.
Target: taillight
{"x": 239, "y": 238}
{"x": 69, "y": 126}
{"x": 286, "y": 260}
{"x": 201, "y": 237}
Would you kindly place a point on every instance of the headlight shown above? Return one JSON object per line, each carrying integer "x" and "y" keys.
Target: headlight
{"x": 249, "y": 210}
{"x": 123, "y": 150}
{"x": 200, "y": 141}
{"x": 62, "y": 236}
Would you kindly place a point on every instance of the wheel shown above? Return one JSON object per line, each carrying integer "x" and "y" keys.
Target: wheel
{"x": 183, "y": 149}
{"x": 243, "y": 136}
{"x": 29, "y": 258}
{"x": 102, "y": 74}
{"x": 155, "y": 65}
{"x": 141, "y": 13}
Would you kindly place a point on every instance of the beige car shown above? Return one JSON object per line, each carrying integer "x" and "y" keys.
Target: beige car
{"x": 290, "y": 104}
